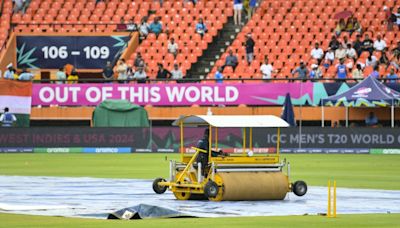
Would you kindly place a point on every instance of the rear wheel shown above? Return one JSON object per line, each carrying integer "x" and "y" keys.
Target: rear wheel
{"x": 299, "y": 188}
{"x": 182, "y": 195}
{"x": 211, "y": 189}
{"x": 157, "y": 188}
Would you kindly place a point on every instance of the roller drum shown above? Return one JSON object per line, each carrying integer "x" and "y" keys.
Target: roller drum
{"x": 252, "y": 186}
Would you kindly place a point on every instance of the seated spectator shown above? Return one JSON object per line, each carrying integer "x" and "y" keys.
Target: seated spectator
{"x": 122, "y": 71}
{"x": 73, "y": 77}
{"x": 340, "y": 53}
{"x": 398, "y": 17}
{"x": 390, "y": 19}
{"x": 345, "y": 41}
{"x": 340, "y": 27}
{"x": 140, "y": 75}
{"x": 249, "y": 44}
{"x": 392, "y": 76}
{"x": 371, "y": 61}
{"x": 395, "y": 62}
{"x": 25, "y": 75}
{"x": 18, "y": 5}
{"x": 131, "y": 26}
{"x": 176, "y": 73}
{"x": 351, "y": 53}
{"x": 350, "y": 25}
{"x": 130, "y": 73}
{"x": 10, "y": 72}
{"x": 156, "y": 26}
{"x": 231, "y": 60}
{"x": 334, "y": 43}
{"x": 218, "y": 75}
{"x": 315, "y": 72}
{"x": 384, "y": 60}
{"x": 375, "y": 72}
{"x": 371, "y": 119}
{"x": 173, "y": 47}
{"x": 357, "y": 73}
{"x": 138, "y": 60}
{"x": 379, "y": 44}
{"x": 201, "y": 28}
{"x": 317, "y": 53}
{"x": 357, "y": 26}
{"x": 144, "y": 28}
{"x": 61, "y": 76}
{"x": 329, "y": 57}
{"x": 267, "y": 69}
{"x": 162, "y": 73}
{"x": 341, "y": 70}
{"x": 357, "y": 45}
{"x": 396, "y": 50}
{"x": 108, "y": 72}
{"x": 301, "y": 71}
{"x": 367, "y": 44}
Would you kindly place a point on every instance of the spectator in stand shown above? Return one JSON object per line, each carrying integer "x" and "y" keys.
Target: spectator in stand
{"x": 371, "y": 120}
{"x": 7, "y": 119}
{"x": 357, "y": 73}
{"x": 371, "y": 61}
{"x": 131, "y": 26}
{"x": 340, "y": 53}
{"x": 329, "y": 57}
{"x": 237, "y": 13}
{"x": 315, "y": 72}
{"x": 384, "y": 59}
{"x": 25, "y": 75}
{"x": 345, "y": 41}
{"x": 341, "y": 70}
{"x": 301, "y": 71}
{"x": 392, "y": 76}
{"x": 357, "y": 44}
{"x": 176, "y": 73}
{"x": 144, "y": 28}
{"x": 122, "y": 70}
{"x": 156, "y": 26}
{"x": 201, "y": 27}
{"x": 218, "y": 75}
{"x": 375, "y": 72}
{"x": 9, "y": 74}
{"x": 252, "y": 8}
{"x": 108, "y": 72}
{"x": 390, "y": 18}
{"x": 173, "y": 47}
{"x": 18, "y": 5}
{"x": 231, "y": 60}
{"x": 249, "y": 44}
{"x": 351, "y": 53}
{"x": 61, "y": 76}
{"x": 334, "y": 43}
{"x": 138, "y": 60}
{"x": 317, "y": 53}
{"x": 398, "y": 17}
{"x": 379, "y": 44}
{"x": 350, "y": 25}
{"x": 140, "y": 75}
{"x": 130, "y": 73}
{"x": 340, "y": 27}
{"x": 73, "y": 77}
{"x": 162, "y": 73}
{"x": 367, "y": 44}
{"x": 267, "y": 69}
{"x": 357, "y": 25}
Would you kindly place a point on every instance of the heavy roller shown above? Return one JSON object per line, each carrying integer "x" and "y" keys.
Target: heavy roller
{"x": 246, "y": 175}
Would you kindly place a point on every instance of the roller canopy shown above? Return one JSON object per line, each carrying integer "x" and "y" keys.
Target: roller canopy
{"x": 233, "y": 121}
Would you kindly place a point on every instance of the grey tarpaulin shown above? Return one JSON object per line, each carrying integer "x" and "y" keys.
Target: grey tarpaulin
{"x": 143, "y": 211}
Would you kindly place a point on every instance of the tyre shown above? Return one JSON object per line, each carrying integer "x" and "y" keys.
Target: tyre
{"x": 299, "y": 188}
{"x": 211, "y": 189}
{"x": 157, "y": 188}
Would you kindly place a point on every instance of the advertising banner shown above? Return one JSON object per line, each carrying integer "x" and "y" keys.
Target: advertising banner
{"x": 169, "y": 94}
{"x": 53, "y": 52}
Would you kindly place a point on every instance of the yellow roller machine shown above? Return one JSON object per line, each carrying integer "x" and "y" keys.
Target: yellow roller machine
{"x": 245, "y": 175}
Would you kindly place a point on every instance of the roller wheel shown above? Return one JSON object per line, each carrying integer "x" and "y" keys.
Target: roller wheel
{"x": 182, "y": 195}
{"x": 299, "y": 188}
{"x": 211, "y": 189}
{"x": 157, "y": 188}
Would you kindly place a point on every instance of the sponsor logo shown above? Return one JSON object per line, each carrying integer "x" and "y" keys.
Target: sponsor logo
{"x": 362, "y": 92}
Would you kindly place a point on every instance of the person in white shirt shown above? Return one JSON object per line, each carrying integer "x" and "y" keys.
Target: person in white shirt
{"x": 317, "y": 53}
{"x": 173, "y": 47}
{"x": 267, "y": 69}
{"x": 25, "y": 75}
{"x": 351, "y": 52}
{"x": 330, "y": 56}
{"x": 379, "y": 44}
{"x": 371, "y": 61}
{"x": 176, "y": 73}
{"x": 9, "y": 73}
{"x": 140, "y": 75}
{"x": 340, "y": 53}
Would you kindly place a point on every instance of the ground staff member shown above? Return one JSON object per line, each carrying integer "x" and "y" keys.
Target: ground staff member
{"x": 7, "y": 119}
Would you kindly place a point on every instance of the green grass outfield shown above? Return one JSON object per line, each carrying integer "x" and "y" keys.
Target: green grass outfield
{"x": 355, "y": 171}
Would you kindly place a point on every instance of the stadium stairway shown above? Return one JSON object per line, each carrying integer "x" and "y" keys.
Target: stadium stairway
{"x": 220, "y": 43}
